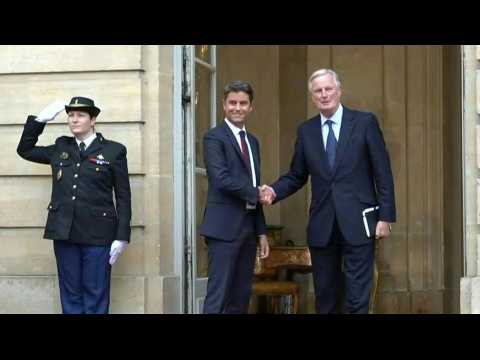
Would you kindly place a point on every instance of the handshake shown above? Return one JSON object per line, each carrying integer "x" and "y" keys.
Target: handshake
{"x": 266, "y": 195}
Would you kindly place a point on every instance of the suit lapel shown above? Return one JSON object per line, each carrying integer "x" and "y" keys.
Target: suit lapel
{"x": 316, "y": 132}
{"x": 345, "y": 133}
{"x": 74, "y": 150}
{"x": 95, "y": 145}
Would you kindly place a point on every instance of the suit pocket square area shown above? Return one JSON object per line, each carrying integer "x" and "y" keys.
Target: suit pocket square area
{"x": 370, "y": 220}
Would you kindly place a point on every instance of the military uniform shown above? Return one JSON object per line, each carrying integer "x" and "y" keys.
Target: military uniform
{"x": 83, "y": 217}
{"x": 81, "y": 209}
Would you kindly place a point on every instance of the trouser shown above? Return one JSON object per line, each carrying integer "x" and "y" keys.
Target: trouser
{"x": 83, "y": 277}
{"x": 357, "y": 275}
{"x": 230, "y": 271}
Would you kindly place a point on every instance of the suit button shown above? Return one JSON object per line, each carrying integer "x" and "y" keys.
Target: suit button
{"x": 74, "y": 186}
{"x": 78, "y": 164}
{"x": 104, "y": 214}
{"x": 75, "y": 176}
{"x": 61, "y": 164}
{"x": 73, "y": 198}
{"x": 97, "y": 169}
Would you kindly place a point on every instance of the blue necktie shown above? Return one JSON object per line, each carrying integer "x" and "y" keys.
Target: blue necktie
{"x": 331, "y": 147}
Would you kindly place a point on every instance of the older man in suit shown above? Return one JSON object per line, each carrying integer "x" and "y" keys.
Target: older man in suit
{"x": 89, "y": 230}
{"x": 344, "y": 153}
{"x": 233, "y": 221}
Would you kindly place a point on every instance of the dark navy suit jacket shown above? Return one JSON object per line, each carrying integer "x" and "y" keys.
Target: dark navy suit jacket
{"x": 361, "y": 177}
{"x": 229, "y": 185}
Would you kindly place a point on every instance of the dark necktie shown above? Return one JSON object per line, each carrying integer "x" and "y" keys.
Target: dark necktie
{"x": 82, "y": 149}
{"x": 331, "y": 147}
{"x": 245, "y": 154}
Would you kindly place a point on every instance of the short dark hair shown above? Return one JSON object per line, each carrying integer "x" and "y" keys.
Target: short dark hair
{"x": 237, "y": 86}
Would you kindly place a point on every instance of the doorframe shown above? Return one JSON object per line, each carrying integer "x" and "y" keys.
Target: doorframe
{"x": 469, "y": 160}
{"x": 188, "y": 97}
{"x": 178, "y": 174}
{"x": 185, "y": 171}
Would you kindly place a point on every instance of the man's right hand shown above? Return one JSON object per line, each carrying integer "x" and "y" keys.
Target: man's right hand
{"x": 266, "y": 195}
{"x": 52, "y": 110}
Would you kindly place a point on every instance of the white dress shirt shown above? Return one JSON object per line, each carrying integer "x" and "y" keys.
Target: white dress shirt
{"x": 87, "y": 141}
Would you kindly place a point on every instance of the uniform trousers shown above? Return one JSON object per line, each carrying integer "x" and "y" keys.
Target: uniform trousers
{"x": 84, "y": 277}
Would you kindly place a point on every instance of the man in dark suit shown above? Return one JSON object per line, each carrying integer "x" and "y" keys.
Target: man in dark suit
{"x": 88, "y": 228}
{"x": 344, "y": 153}
{"x": 233, "y": 217}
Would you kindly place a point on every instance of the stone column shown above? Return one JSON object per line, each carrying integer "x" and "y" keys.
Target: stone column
{"x": 470, "y": 283}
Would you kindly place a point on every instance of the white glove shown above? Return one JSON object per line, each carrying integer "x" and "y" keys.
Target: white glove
{"x": 51, "y": 111}
{"x": 118, "y": 246}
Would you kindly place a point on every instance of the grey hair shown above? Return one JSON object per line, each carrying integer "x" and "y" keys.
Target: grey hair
{"x": 322, "y": 72}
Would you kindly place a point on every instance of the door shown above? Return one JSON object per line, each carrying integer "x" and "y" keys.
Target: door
{"x": 199, "y": 94}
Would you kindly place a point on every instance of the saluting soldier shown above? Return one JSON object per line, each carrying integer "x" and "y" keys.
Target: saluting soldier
{"x": 88, "y": 228}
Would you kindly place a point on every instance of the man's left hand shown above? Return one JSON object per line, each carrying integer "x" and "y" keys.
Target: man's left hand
{"x": 383, "y": 230}
{"x": 263, "y": 247}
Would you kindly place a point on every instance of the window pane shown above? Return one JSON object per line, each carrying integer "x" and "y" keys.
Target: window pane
{"x": 202, "y": 110}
